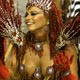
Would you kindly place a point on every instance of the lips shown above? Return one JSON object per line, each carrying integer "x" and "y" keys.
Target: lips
{"x": 29, "y": 22}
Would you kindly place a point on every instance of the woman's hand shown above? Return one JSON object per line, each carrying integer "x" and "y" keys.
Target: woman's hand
{"x": 62, "y": 62}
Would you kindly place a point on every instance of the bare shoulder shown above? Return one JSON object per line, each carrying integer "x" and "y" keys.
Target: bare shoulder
{"x": 72, "y": 50}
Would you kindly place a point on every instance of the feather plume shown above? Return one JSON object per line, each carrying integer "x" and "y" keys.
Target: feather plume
{"x": 10, "y": 23}
{"x": 71, "y": 31}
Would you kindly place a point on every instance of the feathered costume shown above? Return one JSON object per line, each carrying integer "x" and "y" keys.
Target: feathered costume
{"x": 10, "y": 28}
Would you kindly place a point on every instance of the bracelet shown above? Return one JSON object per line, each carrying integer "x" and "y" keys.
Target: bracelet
{"x": 66, "y": 73}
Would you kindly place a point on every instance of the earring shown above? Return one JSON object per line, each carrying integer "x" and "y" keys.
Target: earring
{"x": 46, "y": 28}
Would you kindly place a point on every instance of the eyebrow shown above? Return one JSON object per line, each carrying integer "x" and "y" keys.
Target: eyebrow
{"x": 36, "y": 11}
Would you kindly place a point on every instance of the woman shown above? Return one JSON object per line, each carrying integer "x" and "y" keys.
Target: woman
{"x": 37, "y": 59}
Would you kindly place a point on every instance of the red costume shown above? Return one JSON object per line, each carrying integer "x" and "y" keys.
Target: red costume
{"x": 4, "y": 73}
{"x": 61, "y": 62}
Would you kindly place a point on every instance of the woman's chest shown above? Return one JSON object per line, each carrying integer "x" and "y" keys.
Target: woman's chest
{"x": 31, "y": 61}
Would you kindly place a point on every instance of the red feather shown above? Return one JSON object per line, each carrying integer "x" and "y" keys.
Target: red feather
{"x": 4, "y": 73}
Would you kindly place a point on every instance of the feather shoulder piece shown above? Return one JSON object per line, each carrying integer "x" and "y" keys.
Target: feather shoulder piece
{"x": 69, "y": 32}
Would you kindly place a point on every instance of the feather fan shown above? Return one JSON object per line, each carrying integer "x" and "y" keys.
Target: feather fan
{"x": 69, "y": 32}
{"x": 10, "y": 23}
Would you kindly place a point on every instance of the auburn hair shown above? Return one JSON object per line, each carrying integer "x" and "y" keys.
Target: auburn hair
{"x": 55, "y": 26}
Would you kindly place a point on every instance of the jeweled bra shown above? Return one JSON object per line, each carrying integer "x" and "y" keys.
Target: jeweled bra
{"x": 37, "y": 75}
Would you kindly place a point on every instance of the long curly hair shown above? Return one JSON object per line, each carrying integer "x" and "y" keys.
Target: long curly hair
{"x": 55, "y": 26}
{"x": 2, "y": 49}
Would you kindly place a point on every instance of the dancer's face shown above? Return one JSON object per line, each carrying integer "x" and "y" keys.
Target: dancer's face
{"x": 35, "y": 18}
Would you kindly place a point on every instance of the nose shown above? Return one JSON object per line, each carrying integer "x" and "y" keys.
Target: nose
{"x": 28, "y": 17}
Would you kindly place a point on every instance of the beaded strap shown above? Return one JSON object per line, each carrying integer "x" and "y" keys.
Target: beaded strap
{"x": 66, "y": 73}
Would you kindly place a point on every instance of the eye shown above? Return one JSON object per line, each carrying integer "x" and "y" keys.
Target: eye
{"x": 34, "y": 13}
{"x": 26, "y": 14}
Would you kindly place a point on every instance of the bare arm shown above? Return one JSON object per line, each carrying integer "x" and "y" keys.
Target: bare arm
{"x": 66, "y": 63}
